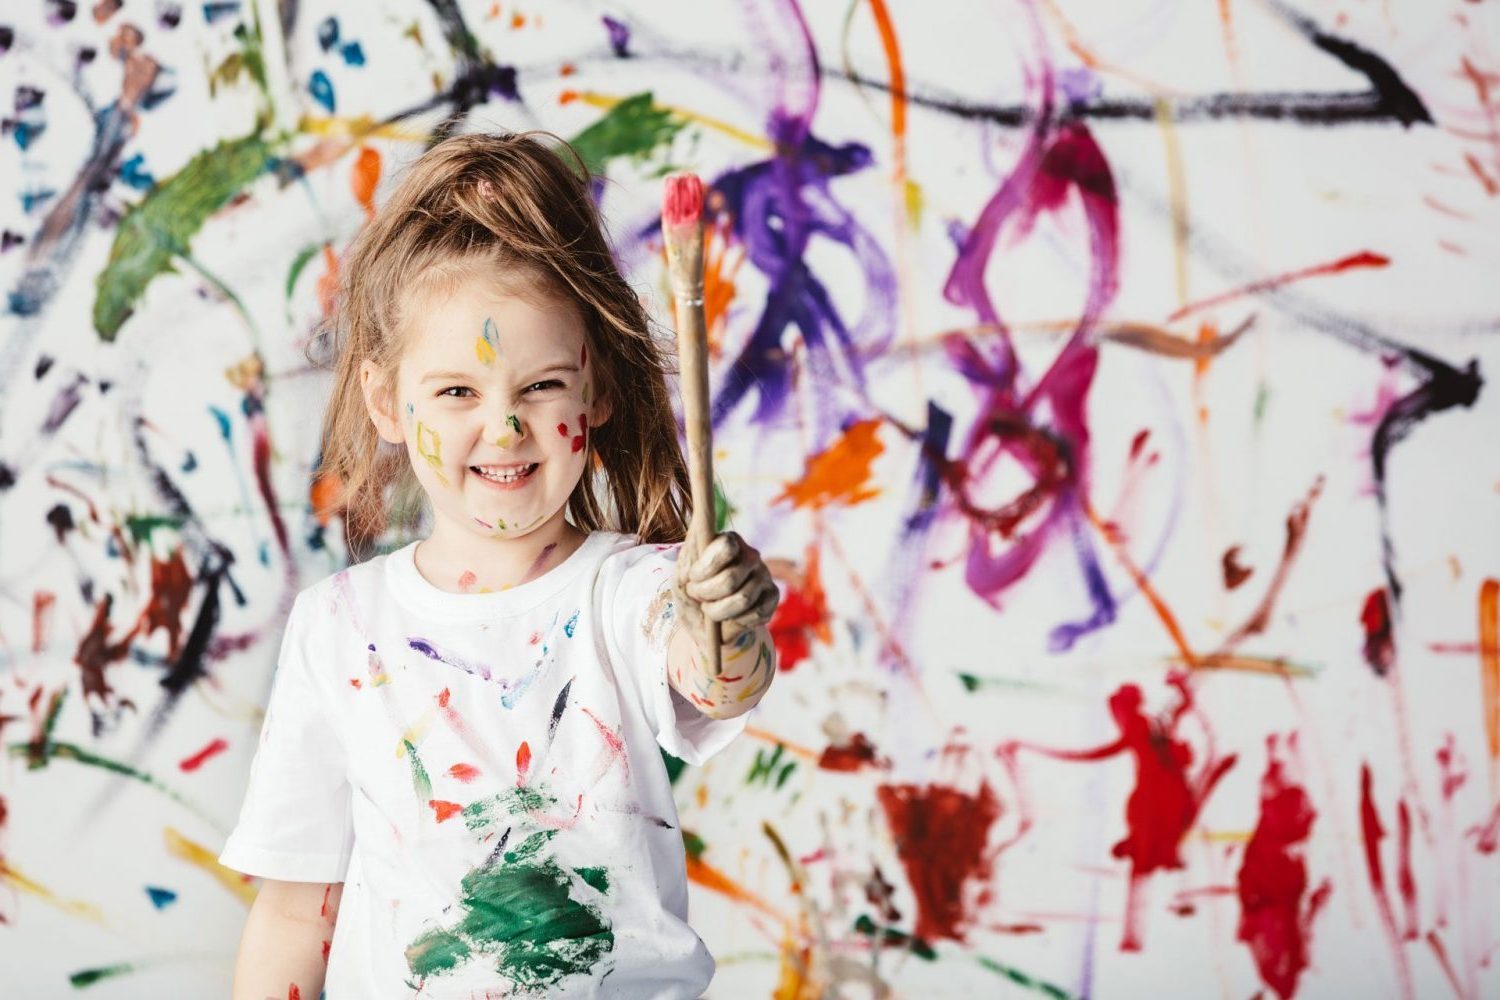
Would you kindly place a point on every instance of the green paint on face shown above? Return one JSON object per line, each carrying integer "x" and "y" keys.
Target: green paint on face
{"x": 163, "y": 224}
{"x": 419, "y": 779}
{"x": 635, "y": 127}
{"x": 430, "y": 447}
{"x": 514, "y": 422}
{"x": 521, "y": 913}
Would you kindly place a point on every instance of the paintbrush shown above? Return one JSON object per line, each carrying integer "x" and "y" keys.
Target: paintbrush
{"x": 682, "y": 231}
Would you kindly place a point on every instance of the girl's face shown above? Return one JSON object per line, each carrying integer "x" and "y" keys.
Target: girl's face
{"x": 494, "y": 406}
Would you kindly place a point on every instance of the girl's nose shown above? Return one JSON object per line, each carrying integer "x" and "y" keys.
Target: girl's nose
{"x": 510, "y": 431}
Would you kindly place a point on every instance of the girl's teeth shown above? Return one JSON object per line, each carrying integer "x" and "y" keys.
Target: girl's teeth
{"x": 509, "y": 476}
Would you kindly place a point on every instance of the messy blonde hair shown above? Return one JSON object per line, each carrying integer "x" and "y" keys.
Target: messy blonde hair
{"x": 508, "y": 207}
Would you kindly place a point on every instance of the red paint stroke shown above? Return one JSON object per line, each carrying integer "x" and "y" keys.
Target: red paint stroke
{"x": 1371, "y": 833}
{"x": 1406, "y": 883}
{"x": 1167, "y": 797}
{"x": 840, "y": 474}
{"x": 562, "y": 429}
{"x": 354, "y": 682}
{"x": 42, "y": 603}
{"x": 1295, "y": 533}
{"x": 1380, "y": 647}
{"x": 196, "y": 760}
{"x": 364, "y": 178}
{"x": 1276, "y": 913}
{"x": 96, "y": 652}
{"x": 1487, "y": 837}
{"x": 444, "y": 810}
{"x": 1451, "y": 764}
{"x": 327, "y": 947}
{"x": 801, "y": 616}
{"x": 582, "y": 436}
{"x": 1442, "y": 956}
{"x": 1362, "y": 259}
{"x": 465, "y": 772}
{"x": 327, "y": 891}
{"x": 467, "y": 580}
{"x": 442, "y": 698}
{"x": 1234, "y": 573}
{"x": 858, "y": 753}
{"x": 171, "y": 584}
{"x": 940, "y": 835}
{"x": 523, "y": 762}
{"x": 292, "y": 992}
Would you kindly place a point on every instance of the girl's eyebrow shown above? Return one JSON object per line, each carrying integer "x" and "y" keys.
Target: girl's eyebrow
{"x": 461, "y": 376}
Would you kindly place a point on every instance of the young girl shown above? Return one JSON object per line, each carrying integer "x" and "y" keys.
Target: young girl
{"x": 459, "y": 789}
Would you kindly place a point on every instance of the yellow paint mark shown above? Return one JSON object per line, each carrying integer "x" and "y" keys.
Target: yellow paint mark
{"x": 483, "y": 351}
{"x": 72, "y": 907}
{"x": 201, "y": 857}
{"x": 430, "y": 447}
{"x": 415, "y": 733}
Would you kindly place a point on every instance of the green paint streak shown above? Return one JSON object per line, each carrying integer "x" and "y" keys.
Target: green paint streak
{"x": 482, "y": 814}
{"x": 1262, "y": 397}
{"x": 765, "y": 766}
{"x": 675, "y": 767}
{"x": 634, "y": 128}
{"x": 514, "y": 422}
{"x": 88, "y": 977}
{"x": 596, "y": 877}
{"x": 41, "y": 756}
{"x": 522, "y": 914}
{"x": 53, "y": 711}
{"x": 693, "y": 844}
{"x": 891, "y": 936}
{"x": 298, "y": 263}
{"x": 530, "y": 847}
{"x": 723, "y": 510}
{"x": 419, "y": 779}
{"x": 785, "y": 773}
{"x": 1022, "y": 979}
{"x": 141, "y": 526}
{"x": 164, "y": 223}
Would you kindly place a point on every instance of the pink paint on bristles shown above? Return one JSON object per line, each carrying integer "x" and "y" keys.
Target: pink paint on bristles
{"x": 682, "y": 201}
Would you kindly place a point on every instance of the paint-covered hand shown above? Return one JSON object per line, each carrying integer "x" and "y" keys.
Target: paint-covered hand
{"x": 726, "y": 583}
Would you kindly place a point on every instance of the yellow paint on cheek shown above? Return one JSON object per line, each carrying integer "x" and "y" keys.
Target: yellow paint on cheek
{"x": 430, "y": 447}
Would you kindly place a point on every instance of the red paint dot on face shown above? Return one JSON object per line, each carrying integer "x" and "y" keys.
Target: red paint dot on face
{"x": 562, "y": 429}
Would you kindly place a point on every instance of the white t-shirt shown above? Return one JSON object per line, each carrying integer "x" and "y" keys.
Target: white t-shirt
{"x": 482, "y": 773}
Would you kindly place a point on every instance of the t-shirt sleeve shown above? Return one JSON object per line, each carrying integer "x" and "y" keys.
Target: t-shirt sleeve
{"x": 295, "y": 824}
{"x": 635, "y": 593}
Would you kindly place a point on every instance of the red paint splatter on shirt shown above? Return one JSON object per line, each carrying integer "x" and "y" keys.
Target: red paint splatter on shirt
{"x": 196, "y": 760}
{"x": 940, "y": 835}
{"x": 444, "y": 810}
{"x": 1380, "y": 648}
{"x": 463, "y": 772}
{"x": 1276, "y": 913}
{"x": 523, "y": 762}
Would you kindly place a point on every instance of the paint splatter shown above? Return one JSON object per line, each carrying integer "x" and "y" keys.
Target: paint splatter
{"x": 940, "y": 834}
{"x": 841, "y": 473}
{"x": 1380, "y": 647}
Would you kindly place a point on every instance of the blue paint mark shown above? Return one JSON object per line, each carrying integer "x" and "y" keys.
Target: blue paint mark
{"x": 352, "y": 53}
{"x": 321, "y": 89}
{"x": 571, "y": 624}
{"x": 133, "y": 172}
{"x": 161, "y": 898}
{"x": 328, "y": 33}
{"x": 218, "y": 11}
{"x": 190, "y": 463}
{"x": 30, "y": 200}
{"x": 265, "y": 553}
{"x": 26, "y": 133}
{"x": 223, "y": 419}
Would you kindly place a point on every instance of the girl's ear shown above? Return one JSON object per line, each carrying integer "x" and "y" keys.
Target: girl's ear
{"x": 378, "y": 404}
{"x": 600, "y": 411}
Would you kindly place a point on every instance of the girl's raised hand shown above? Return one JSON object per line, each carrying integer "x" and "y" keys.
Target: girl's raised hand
{"x": 727, "y": 583}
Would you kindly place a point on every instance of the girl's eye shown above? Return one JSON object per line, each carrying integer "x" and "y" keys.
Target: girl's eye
{"x": 549, "y": 384}
{"x": 452, "y": 388}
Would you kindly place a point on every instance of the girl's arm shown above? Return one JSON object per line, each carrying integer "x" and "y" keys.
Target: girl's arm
{"x": 286, "y": 938}
{"x": 728, "y": 583}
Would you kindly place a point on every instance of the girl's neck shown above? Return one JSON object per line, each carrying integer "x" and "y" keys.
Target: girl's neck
{"x": 476, "y": 565}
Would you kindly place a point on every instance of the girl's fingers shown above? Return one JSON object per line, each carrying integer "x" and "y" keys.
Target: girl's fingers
{"x": 719, "y": 553}
{"x": 722, "y": 584}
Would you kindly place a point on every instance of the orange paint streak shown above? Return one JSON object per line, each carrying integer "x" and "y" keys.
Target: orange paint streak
{"x": 721, "y": 262}
{"x": 1168, "y": 619}
{"x": 1489, "y": 669}
{"x": 365, "y": 177}
{"x": 41, "y": 613}
{"x": 711, "y": 878}
{"x": 523, "y": 762}
{"x": 841, "y": 473}
{"x": 323, "y": 494}
{"x": 1362, "y": 259}
{"x": 791, "y": 748}
{"x": 898, "y": 82}
{"x": 463, "y": 772}
{"x": 328, "y": 281}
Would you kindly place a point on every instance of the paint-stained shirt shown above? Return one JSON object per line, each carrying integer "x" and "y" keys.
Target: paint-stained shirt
{"x": 483, "y": 773}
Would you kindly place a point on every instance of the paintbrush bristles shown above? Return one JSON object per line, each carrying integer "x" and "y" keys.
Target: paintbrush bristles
{"x": 682, "y": 201}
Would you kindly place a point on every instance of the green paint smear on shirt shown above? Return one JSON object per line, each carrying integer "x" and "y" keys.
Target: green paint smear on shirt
{"x": 522, "y": 915}
{"x": 419, "y": 779}
{"x": 634, "y": 127}
{"x": 163, "y": 225}
{"x": 481, "y": 814}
